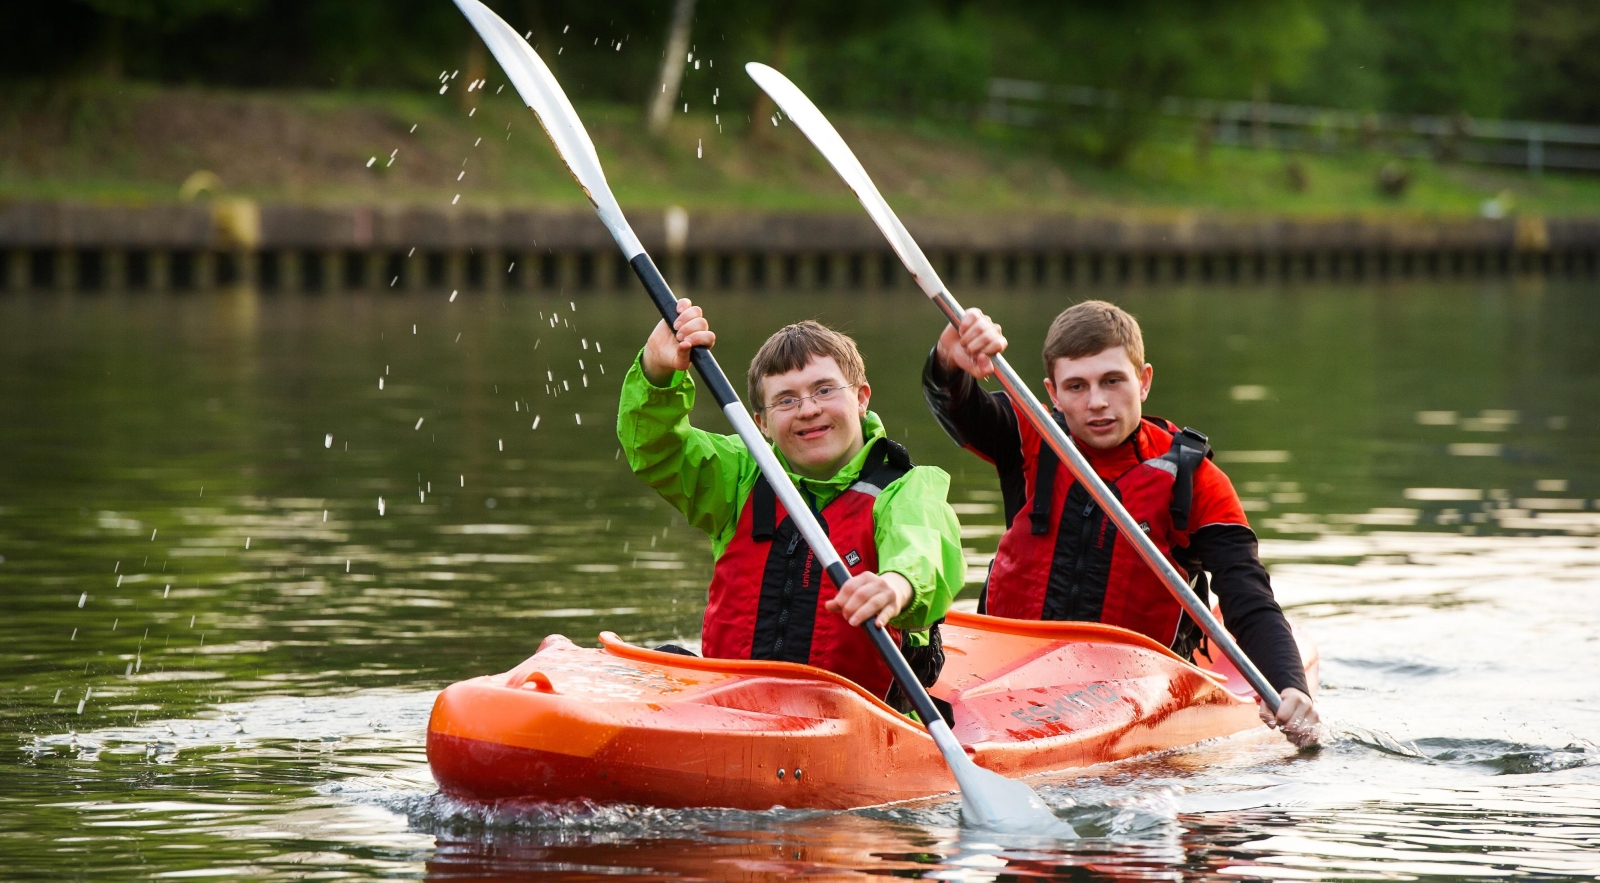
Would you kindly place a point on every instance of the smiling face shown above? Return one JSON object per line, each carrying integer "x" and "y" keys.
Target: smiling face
{"x": 1100, "y": 395}
{"x": 817, "y": 437}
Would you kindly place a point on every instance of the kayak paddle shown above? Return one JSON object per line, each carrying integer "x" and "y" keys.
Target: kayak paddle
{"x": 805, "y": 115}
{"x": 987, "y": 798}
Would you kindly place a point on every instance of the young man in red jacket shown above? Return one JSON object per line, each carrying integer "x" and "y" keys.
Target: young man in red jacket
{"x": 1060, "y": 557}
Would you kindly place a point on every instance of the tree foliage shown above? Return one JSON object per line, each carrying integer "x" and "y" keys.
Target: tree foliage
{"x": 1532, "y": 58}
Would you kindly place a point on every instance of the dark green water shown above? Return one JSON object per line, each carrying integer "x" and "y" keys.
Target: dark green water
{"x": 217, "y": 654}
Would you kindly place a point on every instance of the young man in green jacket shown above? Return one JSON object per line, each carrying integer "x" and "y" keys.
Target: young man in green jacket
{"x": 888, "y": 518}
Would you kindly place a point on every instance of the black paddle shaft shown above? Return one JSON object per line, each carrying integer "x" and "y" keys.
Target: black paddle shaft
{"x": 721, "y": 390}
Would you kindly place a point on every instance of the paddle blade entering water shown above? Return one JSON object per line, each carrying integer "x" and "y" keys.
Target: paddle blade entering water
{"x": 990, "y": 800}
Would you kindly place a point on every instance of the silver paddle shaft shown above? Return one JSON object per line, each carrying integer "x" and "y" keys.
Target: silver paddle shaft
{"x": 1036, "y": 413}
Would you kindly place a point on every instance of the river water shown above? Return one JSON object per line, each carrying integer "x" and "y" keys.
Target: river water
{"x": 247, "y": 539}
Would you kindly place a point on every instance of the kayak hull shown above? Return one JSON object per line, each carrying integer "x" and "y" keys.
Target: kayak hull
{"x": 625, "y": 724}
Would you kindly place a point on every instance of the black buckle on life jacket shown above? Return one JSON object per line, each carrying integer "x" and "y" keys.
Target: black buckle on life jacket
{"x": 885, "y": 464}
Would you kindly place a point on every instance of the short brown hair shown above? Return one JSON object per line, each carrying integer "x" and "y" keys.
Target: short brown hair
{"x": 794, "y": 346}
{"x": 1091, "y": 327}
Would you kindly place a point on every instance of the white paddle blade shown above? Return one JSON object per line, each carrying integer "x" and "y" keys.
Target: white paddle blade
{"x": 538, "y": 87}
{"x": 990, "y": 800}
{"x": 800, "y": 111}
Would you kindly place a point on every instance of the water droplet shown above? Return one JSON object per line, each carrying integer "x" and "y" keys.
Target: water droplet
{"x": 535, "y": 426}
{"x": 578, "y": 418}
{"x": 453, "y": 296}
{"x": 380, "y": 383}
{"x": 502, "y": 444}
{"x": 458, "y": 196}
{"x": 380, "y": 506}
{"x": 372, "y": 161}
{"x": 327, "y": 440}
{"x": 247, "y": 542}
{"x": 419, "y": 423}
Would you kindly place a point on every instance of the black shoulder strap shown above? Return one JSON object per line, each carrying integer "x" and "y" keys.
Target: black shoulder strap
{"x": 887, "y": 462}
{"x": 1044, "y": 486}
{"x": 1189, "y": 447}
{"x": 1044, "y": 482}
{"x": 764, "y": 515}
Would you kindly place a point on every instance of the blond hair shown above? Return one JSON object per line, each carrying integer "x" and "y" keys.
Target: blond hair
{"x": 792, "y": 347}
{"x": 1091, "y": 327}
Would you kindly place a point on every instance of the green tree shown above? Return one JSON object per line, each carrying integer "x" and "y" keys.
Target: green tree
{"x": 1446, "y": 57}
{"x": 1556, "y": 60}
{"x": 1144, "y": 50}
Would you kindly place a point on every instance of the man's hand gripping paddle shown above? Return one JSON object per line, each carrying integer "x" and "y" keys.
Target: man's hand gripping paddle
{"x": 987, "y": 799}
{"x": 805, "y": 115}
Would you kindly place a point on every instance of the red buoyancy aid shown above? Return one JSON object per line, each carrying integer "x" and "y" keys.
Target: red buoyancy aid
{"x": 768, "y": 589}
{"x": 1065, "y": 560}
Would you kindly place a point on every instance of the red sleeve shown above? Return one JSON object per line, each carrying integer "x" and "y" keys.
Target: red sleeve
{"x": 1215, "y": 501}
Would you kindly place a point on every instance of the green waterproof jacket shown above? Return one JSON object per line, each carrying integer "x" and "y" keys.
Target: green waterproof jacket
{"x": 709, "y": 477}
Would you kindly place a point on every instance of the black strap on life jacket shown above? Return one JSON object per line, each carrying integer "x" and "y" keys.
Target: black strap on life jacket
{"x": 1044, "y": 484}
{"x": 1189, "y": 447}
{"x": 886, "y": 463}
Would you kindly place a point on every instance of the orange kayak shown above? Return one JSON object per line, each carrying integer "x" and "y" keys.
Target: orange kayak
{"x": 625, "y": 724}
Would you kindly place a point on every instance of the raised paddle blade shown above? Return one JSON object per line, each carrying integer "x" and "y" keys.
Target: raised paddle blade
{"x": 538, "y": 87}
{"x": 811, "y": 121}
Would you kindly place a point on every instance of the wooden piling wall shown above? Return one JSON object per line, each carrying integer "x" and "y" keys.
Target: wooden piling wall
{"x": 230, "y": 242}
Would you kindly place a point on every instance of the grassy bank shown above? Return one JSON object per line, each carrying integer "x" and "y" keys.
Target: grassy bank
{"x": 126, "y": 142}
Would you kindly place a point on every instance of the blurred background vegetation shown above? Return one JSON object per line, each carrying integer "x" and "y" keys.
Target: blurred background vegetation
{"x": 920, "y": 68}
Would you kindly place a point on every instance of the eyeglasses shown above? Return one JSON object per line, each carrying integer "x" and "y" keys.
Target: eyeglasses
{"x": 822, "y": 396}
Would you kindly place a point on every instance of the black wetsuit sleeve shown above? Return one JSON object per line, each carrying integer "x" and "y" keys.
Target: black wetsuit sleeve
{"x": 1249, "y": 610}
{"x": 981, "y": 421}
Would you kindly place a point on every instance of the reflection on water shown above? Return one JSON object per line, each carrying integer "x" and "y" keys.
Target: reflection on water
{"x": 219, "y": 648}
